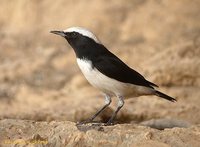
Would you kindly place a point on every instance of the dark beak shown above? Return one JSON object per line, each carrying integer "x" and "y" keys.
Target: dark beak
{"x": 61, "y": 33}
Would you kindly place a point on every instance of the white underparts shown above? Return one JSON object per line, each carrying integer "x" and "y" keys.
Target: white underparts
{"x": 108, "y": 85}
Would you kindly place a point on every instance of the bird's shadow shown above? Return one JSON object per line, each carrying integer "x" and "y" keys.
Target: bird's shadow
{"x": 84, "y": 127}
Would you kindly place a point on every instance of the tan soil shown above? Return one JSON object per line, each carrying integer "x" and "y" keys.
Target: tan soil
{"x": 40, "y": 81}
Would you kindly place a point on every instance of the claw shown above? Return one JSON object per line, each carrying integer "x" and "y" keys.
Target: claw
{"x": 109, "y": 123}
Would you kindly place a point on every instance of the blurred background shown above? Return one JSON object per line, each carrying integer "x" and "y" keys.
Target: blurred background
{"x": 39, "y": 78}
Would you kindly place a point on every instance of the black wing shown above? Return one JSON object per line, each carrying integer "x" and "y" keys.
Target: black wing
{"x": 114, "y": 68}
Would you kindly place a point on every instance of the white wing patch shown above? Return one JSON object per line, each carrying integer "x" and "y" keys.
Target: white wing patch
{"x": 84, "y": 32}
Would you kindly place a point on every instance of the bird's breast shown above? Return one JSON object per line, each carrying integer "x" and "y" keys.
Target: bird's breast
{"x": 90, "y": 73}
{"x": 96, "y": 78}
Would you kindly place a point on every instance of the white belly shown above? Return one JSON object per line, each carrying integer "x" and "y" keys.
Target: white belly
{"x": 108, "y": 85}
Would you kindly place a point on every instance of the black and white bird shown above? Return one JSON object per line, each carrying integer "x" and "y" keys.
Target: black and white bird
{"x": 106, "y": 71}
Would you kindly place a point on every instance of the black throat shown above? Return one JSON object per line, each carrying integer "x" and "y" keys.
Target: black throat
{"x": 87, "y": 48}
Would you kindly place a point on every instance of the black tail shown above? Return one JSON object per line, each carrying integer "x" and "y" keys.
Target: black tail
{"x": 162, "y": 95}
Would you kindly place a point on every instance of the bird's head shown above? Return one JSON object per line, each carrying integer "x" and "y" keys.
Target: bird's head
{"x": 84, "y": 42}
{"x": 77, "y": 36}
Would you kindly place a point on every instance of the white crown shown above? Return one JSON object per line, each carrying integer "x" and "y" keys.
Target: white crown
{"x": 84, "y": 32}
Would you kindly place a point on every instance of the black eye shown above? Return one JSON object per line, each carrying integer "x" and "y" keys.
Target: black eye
{"x": 73, "y": 34}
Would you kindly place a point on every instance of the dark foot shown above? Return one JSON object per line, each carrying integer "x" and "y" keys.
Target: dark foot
{"x": 109, "y": 123}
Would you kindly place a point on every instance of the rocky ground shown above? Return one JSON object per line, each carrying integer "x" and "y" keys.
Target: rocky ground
{"x": 43, "y": 93}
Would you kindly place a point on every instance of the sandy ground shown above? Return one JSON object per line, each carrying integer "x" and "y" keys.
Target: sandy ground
{"x": 42, "y": 92}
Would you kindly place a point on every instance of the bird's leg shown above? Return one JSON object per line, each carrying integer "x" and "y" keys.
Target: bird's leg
{"x": 107, "y": 103}
{"x": 119, "y": 106}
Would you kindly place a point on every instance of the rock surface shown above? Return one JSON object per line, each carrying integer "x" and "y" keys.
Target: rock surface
{"x": 64, "y": 133}
{"x": 40, "y": 81}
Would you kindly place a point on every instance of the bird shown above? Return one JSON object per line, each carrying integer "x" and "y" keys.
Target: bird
{"x": 106, "y": 72}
